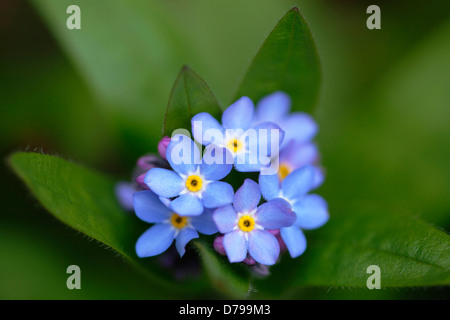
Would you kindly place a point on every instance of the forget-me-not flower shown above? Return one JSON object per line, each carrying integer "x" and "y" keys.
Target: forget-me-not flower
{"x": 245, "y": 225}
{"x": 311, "y": 209}
{"x": 251, "y": 145}
{"x": 168, "y": 225}
{"x": 193, "y": 185}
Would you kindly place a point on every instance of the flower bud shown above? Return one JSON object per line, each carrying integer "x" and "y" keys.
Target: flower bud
{"x": 218, "y": 245}
{"x": 162, "y": 146}
{"x": 148, "y": 161}
{"x": 140, "y": 181}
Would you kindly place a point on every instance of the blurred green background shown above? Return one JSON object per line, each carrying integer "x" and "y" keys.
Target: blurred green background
{"x": 97, "y": 96}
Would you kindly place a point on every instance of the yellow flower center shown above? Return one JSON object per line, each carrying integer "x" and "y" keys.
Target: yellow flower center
{"x": 234, "y": 145}
{"x": 194, "y": 183}
{"x": 283, "y": 171}
{"x": 178, "y": 221}
{"x": 246, "y": 223}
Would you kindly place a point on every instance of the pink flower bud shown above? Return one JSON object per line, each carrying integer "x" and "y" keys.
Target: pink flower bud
{"x": 140, "y": 181}
{"x": 148, "y": 161}
{"x": 218, "y": 245}
{"x": 162, "y": 146}
{"x": 249, "y": 261}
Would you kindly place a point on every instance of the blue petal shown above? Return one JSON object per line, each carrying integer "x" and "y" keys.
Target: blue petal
{"x": 273, "y": 107}
{"x": 183, "y": 154}
{"x": 298, "y": 182}
{"x": 253, "y": 159}
{"x": 269, "y": 138}
{"x": 217, "y": 163}
{"x": 235, "y": 246}
{"x": 239, "y": 115}
{"x": 299, "y": 126}
{"x": 206, "y": 129}
{"x": 263, "y": 247}
{"x": 312, "y": 212}
{"x": 295, "y": 240}
{"x": 270, "y": 185}
{"x": 163, "y": 182}
{"x": 204, "y": 223}
{"x": 247, "y": 197}
{"x": 165, "y": 201}
{"x": 149, "y": 208}
{"x": 185, "y": 235}
{"x": 297, "y": 154}
{"x": 275, "y": 214}
{"x": 217, "y": 194}
{"x": 155, "y": 240}
{"x": 187, "y": 205}
{"x": 251, "y": 162}
{"x": 225, "y": 218}
{"x": 319, "y": 177}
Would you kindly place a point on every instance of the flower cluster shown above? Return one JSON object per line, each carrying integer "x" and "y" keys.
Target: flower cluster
{"x": 186, "y": 191}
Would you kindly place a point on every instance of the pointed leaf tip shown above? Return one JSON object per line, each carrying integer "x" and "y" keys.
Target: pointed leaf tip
{"x": 190, "y": 95}
{"x": 287, "y": 61}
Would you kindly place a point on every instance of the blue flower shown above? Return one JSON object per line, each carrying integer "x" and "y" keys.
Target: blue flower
{"x": 311, "y": 209}
{"x": 250, "y": 145}
{"x": 298, "y": 126}
{"x": 245, "y": 225}
{"x": 168, "y": 225}
{"x": 193, "y": 185}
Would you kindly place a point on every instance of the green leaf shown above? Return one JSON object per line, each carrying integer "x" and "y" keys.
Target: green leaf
{"x": 287, "y": 61}
{"x": 190, "y": 95}
{"x": 85, "y": 200}
{"x": 230, "y": 279}
{"x": 408, "y": 251}
{"x": 78, "y": 197}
